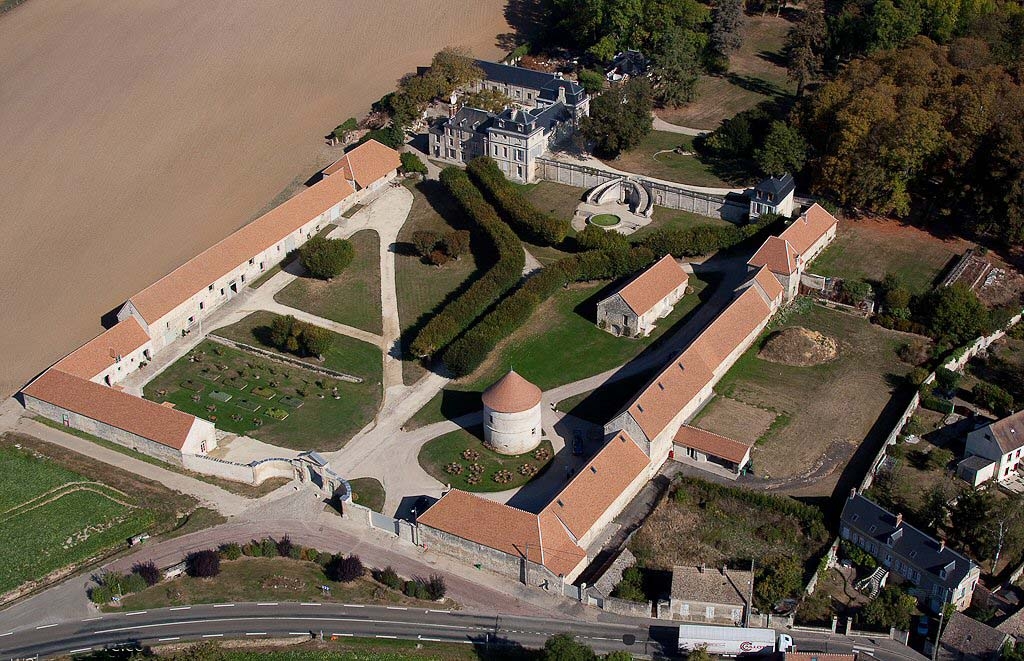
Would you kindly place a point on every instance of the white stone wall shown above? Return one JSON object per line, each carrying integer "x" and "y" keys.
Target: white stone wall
{"x": 128, "y": 364}
{"x": 512, "y": 433}
{"x": 201, "y": 439}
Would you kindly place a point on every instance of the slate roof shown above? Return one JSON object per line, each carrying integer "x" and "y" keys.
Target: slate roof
{"x": 1008, "y": 432}
{"x": 102, "y": 351}
{"x": 511, "y": 394}
{"x": 470, "y": 119}
{"x": 711, "y": 586}
{"x": 574, "y": 93}
{"x": 966, "y": 637}
{"x": 712, "y": 444}
{"x": 142, "y": 417}
{"x": 779, "y": 187}
{"x": 1013, "y": 625}
{"x": 913, "y": 546}
{"x": 653, "y": 285}
{"x": 518, "y": 76}
{"x": 525, "y": 122}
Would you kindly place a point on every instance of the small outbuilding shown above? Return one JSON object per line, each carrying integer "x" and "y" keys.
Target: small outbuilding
{"x": 702, "y": 594}
{"x": 632, "y": 311}
{"x": 512, "y": 415}
{"x": 773, "y": 195}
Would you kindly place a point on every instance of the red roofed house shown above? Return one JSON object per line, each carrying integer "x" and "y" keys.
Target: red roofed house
{"x": 177, "y": 303}
{"x": 701, "y": 445}
{"x": 111, "y": 356}
{"x": 788, "y": 254}
{"x": 369, "y": 165}
{"x": 632, "y": 311}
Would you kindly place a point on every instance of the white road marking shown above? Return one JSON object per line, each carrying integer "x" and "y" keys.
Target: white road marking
{"x": 353, "y": 606}
{"x": 223, "y": 605}
{"x": 92, "y": 619}
{"x": 309, "y": 603}
{"x": 298, "y": 633}
{"x": 267, "y": 603}
{"x": 83, "y": 649}
{"x": 46, "y": 626}
{"x": 164, "y": 640}
{"x": 434, "y": 611}
{"x": 180, "y": 608}
{"x": 213, "y": 635}
{"x": 136, "y": 613}
{"x": 383, "y": 636}
{"x": 397, "y": 608}
{"x": 257, "y": 633}
{"x": 431, "y": 640}
{"x": 6, "y": 634}
{"x": 346, "y": 635}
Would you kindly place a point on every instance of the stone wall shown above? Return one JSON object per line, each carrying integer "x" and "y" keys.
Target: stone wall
{"x": 484, "y": 557}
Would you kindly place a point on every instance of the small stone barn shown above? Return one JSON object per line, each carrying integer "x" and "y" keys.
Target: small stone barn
{"x": 702, "y": 594}
{"x": 701, "y": 446}
{"x": 632, "y": 311}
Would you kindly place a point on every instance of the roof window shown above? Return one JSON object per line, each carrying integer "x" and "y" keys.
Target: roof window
{"x": 593, "y": 470}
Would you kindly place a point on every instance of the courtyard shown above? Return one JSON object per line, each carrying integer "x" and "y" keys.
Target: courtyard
{"x": 281, "y": 403}
{"x": 461, "y": 459}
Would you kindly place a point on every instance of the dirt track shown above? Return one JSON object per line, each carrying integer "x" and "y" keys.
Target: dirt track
{"x": 134, "y": 134}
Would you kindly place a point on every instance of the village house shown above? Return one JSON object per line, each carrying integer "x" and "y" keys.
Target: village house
{"x": 543, "y": 111}
{"x": 773, "y": 195}
{"x": 788, "y": 254}
{"x": 632, "y": 311}
{"x": 965, "y": 639}
{"x": 715, "y": 596}
{"x": 938, "y": 574}
{"x": 627, "y": 64}
{"x": 993, "y": 451}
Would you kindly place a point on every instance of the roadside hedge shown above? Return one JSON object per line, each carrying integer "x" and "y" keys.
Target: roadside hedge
{"x": 467, "y": 352}
{"x": 528, "y": 221}
{"x": 506, "y": 271}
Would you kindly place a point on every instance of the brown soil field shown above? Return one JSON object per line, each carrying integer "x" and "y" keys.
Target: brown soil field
{"x": 735, "y": 419}
{"x": 135, "y": 134}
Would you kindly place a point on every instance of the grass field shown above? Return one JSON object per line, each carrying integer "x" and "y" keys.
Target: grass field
{"x": 263, "y": 579}
{"x": 442, "y": 451}
{"x": 675, "y": 219}
{"x": 260, "y": 388}
{"x": 558, "y": 200}
{"x": 558, "y": 345}
{"x": 375, "y": 649}
{"x": 829, "y": 409}
{"x": 64, "y": 509}
{"x": 422, "y": 288}
{"x": 368, "y": 492}
{"x": 651, "y": 158}
{"x": 756, "y": 73}
{"x": 353, "y": 298}
{"x": 868, "y": 249}
{"x": 699, "y": 522}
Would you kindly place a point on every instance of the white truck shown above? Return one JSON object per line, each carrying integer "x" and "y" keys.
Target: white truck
{"x": 732, "y": 641}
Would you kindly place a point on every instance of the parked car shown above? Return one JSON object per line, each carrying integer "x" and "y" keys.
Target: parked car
{"x": 923, "y": 624}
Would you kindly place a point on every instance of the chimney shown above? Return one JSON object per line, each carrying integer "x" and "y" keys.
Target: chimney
{"x": 853, "y": 493}
{"x": 942, "y": 545}
{"x": 899, "y": 519}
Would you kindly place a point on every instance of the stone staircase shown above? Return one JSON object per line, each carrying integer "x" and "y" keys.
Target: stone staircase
{"x": 874, "y": 583}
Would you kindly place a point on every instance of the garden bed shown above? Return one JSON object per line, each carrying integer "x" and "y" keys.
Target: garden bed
{"x": 461, "y": 459}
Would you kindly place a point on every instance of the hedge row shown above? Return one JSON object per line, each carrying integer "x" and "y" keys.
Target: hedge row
{"x": 506, "y": 271}
{"x": 467, "y": 353}
{"x": 704, "y": 239}
{"x": 531, "y": 223}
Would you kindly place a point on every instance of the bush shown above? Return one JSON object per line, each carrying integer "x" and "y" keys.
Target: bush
{"x": 389, "y": 136}
{"x": 938, "y": 459}
{"x": 230, "y": 551}
{"x": 455, "y": 243}
{"x": 529, "y": 222}
{"x": 436, "y": 587}
{"x": 148, "y": 571}
{"x": 933, "y": 402}
{"x": 992, "y": 397}
{"x": 856, "y": 290}
{"x": 389, "y": 577}
{"x": 326, "y": 258}
{"x": 947, "y": 380}
{"x": 592, "y": 81}
{"x": 411, "y": 163}
{"x": 100, "y": 595}
{"x": 631, "y": 587}
{"x": 858, "y": 556}
{"x": 202, "y": 564}
{"x": 285, "y": 547}
{"x": 424, "y": 241}
{"x": 342, "y": 130}
{"x": 135, "y": 582}
{"x": 416, "y": 590}
{"x": 293, "y": 336}
{"x": 344, "y": 569}
{"x": 451, "y": 320}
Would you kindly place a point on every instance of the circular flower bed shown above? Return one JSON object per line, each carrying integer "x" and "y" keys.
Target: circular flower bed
{"x": 453, "y": 469}
{"x": 541, "y": 454}
{"x": 502, "y": 476}
{"x": 469, "y": 454}
{"x": 605, "y": 220}
{"x": 527, "y": 469}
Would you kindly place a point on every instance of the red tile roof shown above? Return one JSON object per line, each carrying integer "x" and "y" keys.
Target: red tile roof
{"x": 132, "y": 414}
{"x": 712, "y": 444}
{"x": 653, "y": 285}
{"x": 511, "y": 394}
{"x": 654, "y": 408}
{"x": 204, "y": 269}
{"x": 777, "y": 254}
{"x": 366, "y": 163}
{"x": 769, "y": 283}
{"x": 746, "y": 312}
{"x": 104, "y": 350}
{"x": 808, "y": 228}
{"x": 596, "y": 486}
{"x": 561, "y": 555}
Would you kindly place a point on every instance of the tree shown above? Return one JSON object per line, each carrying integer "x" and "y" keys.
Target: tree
{"x": 436, "y": 587}
{"x": 281, "y": 330}
{"x": 805, "y": 45}
{"x": 202, "y": 564}
{"x": 326, "y": 258}
{"x": 148, "y": 571}
{"x": 389, "y": 136}
{"x": 936, "y": 507}
{"x": 784, "y": 150}
{"x": 489, "y": 99}
{"x": 970, "y": 520}
{"x": 454, "y": 67}
{"x": 565, "y": 647}
{"x": 620, "y": 118}
{"x": 992, "y": 397}
{"x": 856, "y": 290}
{"x": 592, "y": 81}
{"x": 316, "y": 341}
{"x": 344, "y": 569}
{"x": 411, "y": 163}
{"x": 726, "y": 27}
{"x": 891, "y": 608}
{"x": 677, "y": 66}
{"x": 955, "y": 315}
{"x": 342, "y": 130}
{"x": 779, "y": 578}
{"x": 947, "y": 380}
{"x": 455, "y": 243}
{"x": 424, "y": 241}
{"x": 621, "y": 655}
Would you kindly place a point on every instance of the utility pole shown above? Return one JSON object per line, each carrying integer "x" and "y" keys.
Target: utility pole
{"x": 999, "y": 546}
{"x": 938, "y": 633}
{"x": 750, "y": 597}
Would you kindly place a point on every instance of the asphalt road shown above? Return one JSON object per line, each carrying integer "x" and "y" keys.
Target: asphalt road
{"x": 309, "y": 620}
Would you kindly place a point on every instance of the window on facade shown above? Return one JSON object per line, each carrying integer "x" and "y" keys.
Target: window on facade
{"x": 252, "y": 261}
{"x": 191, "y": 319}
{"x": 210, "y": 288}
{"x": 201, "y": 305}
{"x": 168, "y": 324}
{"x": 221, "y": 291}
{"x": 451, "y": 142}
{"x": 505, "y": 151}
{"x": 243, "y": 278}
{"x": 519, "y": 171}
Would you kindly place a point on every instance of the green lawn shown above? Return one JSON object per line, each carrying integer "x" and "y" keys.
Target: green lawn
{"x": 557, "y": 199}
{"x": 650, "y": 158}
{"x": 605, "y": 220}
{"x": 665, "y": 218}
{"x": 869, "y": 249}
{"x": 461, "y": 459}
{"x": 262, "y": 579}
{"x": 315, "y": 419}
{"x": 558, "y": 345}
{"x": 368, "y": 492}
{"x": 421, "y": 287}
{"x": 353, "y": 298}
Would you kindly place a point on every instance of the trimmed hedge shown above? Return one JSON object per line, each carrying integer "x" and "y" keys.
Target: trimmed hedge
{"x": 506, "y": 271}
{"x": 467, "y": 353}
{"x": 528, "y": 221}
{"x": 703, "y": 239}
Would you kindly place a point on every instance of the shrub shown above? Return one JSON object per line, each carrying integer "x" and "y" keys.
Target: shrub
{"x": 933, "y": 402}
{"x": 411, "y": 163}
{"x": 268, "y": 548}
{"x": 451, "y": 320}
{"x": 438, "y": 258}
{"x": 316, "y": 341}
{"x": 529, "y": 222}
{"x": 947, "y": 380}
{"x": 416, "y": 590}
{"x": 202, "y": 564}
{"x": 148, "y": 571}
{"x": 436, "y": 587}
{"x": 938, "y": 459}
{"x": 631, "y": 586}
{"x": 858, "y": 556}
{"x": 100, "y": 595}
{"x": 389, "y": 136}
{"x": 424, "y": 241}
{"x": 342, "y": 130}
{"x": 455, "y": 243}
{"x": 592, "y": 81}
{"x": 285, "y": 547}
{"x": 326, "y": 258}
{"x": 230, "y": 551}
{"x": 344, "y": 569}
{"x": 134, "y": 582}
{"x": 992, "y": 397}
{"x": 293, "y": 336}
{"x": 856, "y": 290}
{"x": 389, "y": 577}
